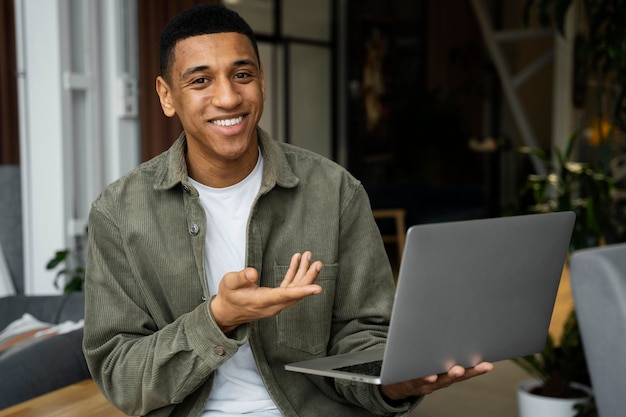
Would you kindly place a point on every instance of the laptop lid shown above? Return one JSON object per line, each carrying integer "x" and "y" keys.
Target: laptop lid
{"x": 468, "y": 291}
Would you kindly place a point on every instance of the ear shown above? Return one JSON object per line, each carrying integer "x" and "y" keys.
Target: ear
{"x": 165, "y": 96}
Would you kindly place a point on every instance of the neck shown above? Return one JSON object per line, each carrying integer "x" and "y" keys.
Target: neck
{"x": 218, "y": 173}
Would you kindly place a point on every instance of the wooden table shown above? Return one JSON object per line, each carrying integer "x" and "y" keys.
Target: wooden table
{"x": 80, "y": 400}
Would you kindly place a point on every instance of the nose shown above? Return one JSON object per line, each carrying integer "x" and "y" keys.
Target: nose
{"x": 225, "y": 93}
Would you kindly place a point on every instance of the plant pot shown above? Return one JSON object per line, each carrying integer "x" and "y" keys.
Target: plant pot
{"x": 533, "y": 405}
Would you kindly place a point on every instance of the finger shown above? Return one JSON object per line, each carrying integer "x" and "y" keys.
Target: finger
{"x": 272, "y": 301}
{"x": 404, "y": 389}
{"x": 303, "y": 268}
{"x": 310, "y": 275}
{"x": 434, "y": 382}
{"x": 458, "y": 374}
{"x": 301, "y": 271}
{"x": 251, "y": 275}
{"x": 431, "y": 379}
{"x": 484, "y": 367}
{"x": 456, "y": 371}
{"x": 235, "y": 280}
{"x": 291, "y": 295}
{"x": 291, "y": 272}
{"x": 480, "y": 369}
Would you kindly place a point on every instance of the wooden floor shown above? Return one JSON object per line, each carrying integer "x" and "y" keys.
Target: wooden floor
{"x": 492, "y": 395}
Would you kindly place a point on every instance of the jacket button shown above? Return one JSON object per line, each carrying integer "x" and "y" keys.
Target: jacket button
{"x": 185, "y": 188}
{"x": 219, "y": 351}
{"x": 204, "y": 298}
{"x": 194, "y": 229}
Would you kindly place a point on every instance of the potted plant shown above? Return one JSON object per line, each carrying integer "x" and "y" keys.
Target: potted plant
{"x": 583, "y": 184}
{"x": 585, "y": 189}
{"x": 561, "y": 383}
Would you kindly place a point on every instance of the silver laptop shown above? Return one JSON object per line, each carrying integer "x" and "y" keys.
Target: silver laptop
{"x": 468, "y": 291}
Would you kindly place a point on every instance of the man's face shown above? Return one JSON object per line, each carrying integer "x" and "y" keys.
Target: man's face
{"x": 217, "y": 90}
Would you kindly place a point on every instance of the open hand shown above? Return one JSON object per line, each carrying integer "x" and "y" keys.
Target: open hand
{"x": 239, "y": 300}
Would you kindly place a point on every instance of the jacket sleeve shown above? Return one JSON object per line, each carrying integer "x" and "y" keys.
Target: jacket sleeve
{"x": 366, "y": 289}
{"x": 139, "y": 360}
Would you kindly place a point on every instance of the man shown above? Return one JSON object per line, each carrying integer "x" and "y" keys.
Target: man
{"x": 216, "y": 263}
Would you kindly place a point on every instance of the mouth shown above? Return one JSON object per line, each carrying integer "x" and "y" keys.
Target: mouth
{"x": 227, "y": 122}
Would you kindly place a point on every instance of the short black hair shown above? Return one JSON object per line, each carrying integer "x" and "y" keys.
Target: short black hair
{"x": 202, "y": 19}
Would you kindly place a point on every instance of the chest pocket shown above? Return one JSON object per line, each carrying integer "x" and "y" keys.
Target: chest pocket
{"x": 306, "y": 325}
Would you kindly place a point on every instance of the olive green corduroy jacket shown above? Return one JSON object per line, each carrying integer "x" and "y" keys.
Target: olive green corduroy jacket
{"x": 150, "y": 341}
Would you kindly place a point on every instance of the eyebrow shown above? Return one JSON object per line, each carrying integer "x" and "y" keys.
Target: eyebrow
{"x": 199, "y": 68}
{"x": 190, "y": 71}
{"x": 242, "y": 62}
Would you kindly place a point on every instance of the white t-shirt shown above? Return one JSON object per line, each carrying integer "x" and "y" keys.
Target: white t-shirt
{"x": 238, "y": 388}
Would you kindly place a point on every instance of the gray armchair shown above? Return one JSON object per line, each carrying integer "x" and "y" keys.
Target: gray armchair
{"x": 598, "y": 280}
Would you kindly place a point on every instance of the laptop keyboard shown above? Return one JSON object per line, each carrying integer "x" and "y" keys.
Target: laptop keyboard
{"x": 367, "y": 368}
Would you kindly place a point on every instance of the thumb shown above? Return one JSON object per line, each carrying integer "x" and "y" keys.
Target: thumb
{"x": 251, "y": 274}
{"x": 240, "y": 279}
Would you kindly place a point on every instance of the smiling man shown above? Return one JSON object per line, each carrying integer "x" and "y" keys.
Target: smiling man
{"x": 214, "y": 83}
{"x": 229, "y": 255}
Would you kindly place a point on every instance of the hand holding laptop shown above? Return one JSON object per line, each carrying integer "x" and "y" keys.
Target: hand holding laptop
{"x": 494, "y": 275}
{"x": 424, "y": 386}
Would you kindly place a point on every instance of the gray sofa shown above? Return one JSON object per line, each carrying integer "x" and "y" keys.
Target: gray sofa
{"x": 49, "y": 364}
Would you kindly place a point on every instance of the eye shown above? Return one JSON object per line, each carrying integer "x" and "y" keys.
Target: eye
{"x": 200, "y": 80}
{"x": 242, "y": 75}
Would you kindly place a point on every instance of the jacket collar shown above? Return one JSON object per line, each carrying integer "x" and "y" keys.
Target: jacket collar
{"x": 172, "y": 165}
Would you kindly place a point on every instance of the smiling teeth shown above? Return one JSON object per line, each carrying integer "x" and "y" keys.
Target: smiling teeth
{"x": 228, "y": 122}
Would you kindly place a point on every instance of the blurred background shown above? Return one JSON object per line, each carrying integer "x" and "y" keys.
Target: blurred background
{"x": 427, "y": 102}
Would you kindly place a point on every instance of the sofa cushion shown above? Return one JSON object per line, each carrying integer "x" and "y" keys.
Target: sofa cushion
{"x": 42, "y": 367}
{"x": 27, "y": 331}
{"x": 21, "y": 331}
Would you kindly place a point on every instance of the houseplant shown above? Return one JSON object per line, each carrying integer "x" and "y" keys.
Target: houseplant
{"x": 561, "y": 372}
{"x": 72, "y": 277}
{"x": 70, "y": 265}
{"x": 599, "y": 92}
{"x": 559, "y": 364}
{"x": 582, "y": 187}
{"x": 597, "y": 29}
{"x": 585, "y": 189}
{"x": 581, "y": 175}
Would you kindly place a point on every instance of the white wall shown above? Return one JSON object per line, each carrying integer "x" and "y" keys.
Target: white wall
{"x": 41, "y": 137}
{"x": 74, "y": 134}
{"x": 310, "y": 101}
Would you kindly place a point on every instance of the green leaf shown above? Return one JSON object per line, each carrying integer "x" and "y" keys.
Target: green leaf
{"x": 76, "y": 284}
{"x": 59, "y": 257}
{"x": 58, "y": 276}
{"x": 570, "y": 145}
